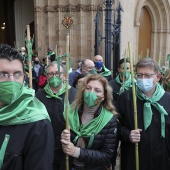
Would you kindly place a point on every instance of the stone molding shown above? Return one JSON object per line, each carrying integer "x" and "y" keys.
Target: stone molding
{"x": 68, "y": 8}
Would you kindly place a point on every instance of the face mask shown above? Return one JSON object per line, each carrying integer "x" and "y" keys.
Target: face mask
{"x": 36, "y": 62}
{"x": 145, "y": 84}
{"x": 9, "y": 91}
{"x": 49, "y": 52}
{"x": 126, "y": 74}
{"x": 55, "y": 81}
{"x": 22, "y": 53}
{"x": 91, "y": 99}
{"x": 98, "y": 64}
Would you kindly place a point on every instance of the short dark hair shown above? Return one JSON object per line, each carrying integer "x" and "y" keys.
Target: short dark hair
{"x": 122, "y": 61}
{"x": 9, "y": 53}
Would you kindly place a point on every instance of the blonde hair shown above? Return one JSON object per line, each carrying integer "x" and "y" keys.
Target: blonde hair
{"x": 107, "y": 102}
{"x": 165, "y": 80}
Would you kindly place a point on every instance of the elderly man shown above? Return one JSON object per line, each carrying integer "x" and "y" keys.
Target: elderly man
{"x": 100, "y": 67}
{"x": 86, "y": 66}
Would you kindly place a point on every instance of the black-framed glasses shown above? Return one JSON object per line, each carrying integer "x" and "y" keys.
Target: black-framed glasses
{"x": 51, "y": 74}
{"x": 16, "y": 75}
{"x": 147, "y": 76}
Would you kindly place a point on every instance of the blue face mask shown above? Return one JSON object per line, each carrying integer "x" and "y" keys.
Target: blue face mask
{"x": 98, "y": 64}
{"x": 145, "y": 84}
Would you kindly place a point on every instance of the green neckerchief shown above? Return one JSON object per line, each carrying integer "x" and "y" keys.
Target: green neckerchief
{"x": 92, "y": 128}
{"x": 147, "y": 111}
{"x": 51, "y": 53}
{"x": 126, "y": 85}
{"x": 24, "y": 110}
{"x": 3, "y": 149}
{"x": 50, "y": 94}
{"x": 106, "y": 71}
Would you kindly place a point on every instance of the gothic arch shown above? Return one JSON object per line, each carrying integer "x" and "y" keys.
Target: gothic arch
{"x": 159, "y": 13}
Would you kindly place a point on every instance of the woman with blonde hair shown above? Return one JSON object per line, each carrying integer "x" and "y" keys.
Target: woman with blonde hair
{"x": 166, "y": 81}
{"x": 92, "y": 139}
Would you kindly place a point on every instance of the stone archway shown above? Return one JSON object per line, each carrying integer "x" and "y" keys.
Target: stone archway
{"x": 158, "y": 10}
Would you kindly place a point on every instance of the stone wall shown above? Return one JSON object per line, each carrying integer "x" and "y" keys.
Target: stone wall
{"x": 50, "y": 31}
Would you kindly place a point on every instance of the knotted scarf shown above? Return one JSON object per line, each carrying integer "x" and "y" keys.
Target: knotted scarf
{"x": 50, "y": 94}
{"x": 147, "y": 111}
{"x": 124, "y": 85}
{"x": 90, "y": 129}
{"x": 106, "y": 71}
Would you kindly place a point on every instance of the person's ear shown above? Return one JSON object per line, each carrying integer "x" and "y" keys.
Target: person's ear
{"x": 159, "y": 75}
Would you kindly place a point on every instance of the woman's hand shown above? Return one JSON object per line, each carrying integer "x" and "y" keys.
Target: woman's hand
{"x": 67, "y": 146}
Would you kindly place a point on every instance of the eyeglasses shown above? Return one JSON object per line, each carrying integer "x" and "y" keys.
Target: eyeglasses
{"x": 147, "y": 76}
{"x": 16, "y": 75}
{"x": 52, "y": 74}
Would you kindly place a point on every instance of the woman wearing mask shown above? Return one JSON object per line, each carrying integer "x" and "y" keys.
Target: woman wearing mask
{"x": 91, "y": 141}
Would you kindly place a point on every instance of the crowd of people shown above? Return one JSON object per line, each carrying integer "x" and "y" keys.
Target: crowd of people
{"x": 100, "y": 114}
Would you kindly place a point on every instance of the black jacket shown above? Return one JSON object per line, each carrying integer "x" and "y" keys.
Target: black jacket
{"x": 102, "y": 150}
{"x": 154, "y": 150}
{"x": 55, "y": 108}
{"x": 30, "y": 146}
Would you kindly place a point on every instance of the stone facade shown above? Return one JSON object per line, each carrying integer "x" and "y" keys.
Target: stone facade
{"x": 50, "y": 31}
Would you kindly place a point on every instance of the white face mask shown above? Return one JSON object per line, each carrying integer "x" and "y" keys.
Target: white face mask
{"x": 22, "y": 53}
{"x": 145, "y": 84}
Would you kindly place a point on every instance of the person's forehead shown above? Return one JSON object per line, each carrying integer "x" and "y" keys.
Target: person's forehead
{"x": 95, "y": 84}
{"x": 10, "y": 66}
{"x": 54, "y": 68}
{"x": 145, "y": 70}
{"x": 127, "y": 65}
{"x": 98, "y": 57}
{"x": 89, "y": 63}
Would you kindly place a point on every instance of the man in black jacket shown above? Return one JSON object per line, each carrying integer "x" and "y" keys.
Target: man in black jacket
{"x": 53, "y": 96}
{"x": 153, "y": 112}
{"x": 26, "y": 135}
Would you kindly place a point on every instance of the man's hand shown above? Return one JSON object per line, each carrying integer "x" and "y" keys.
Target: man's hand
{"x": 135, "y": 135}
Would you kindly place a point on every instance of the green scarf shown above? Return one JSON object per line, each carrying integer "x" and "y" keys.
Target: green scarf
{"x": 92, "y": 128}
{"x": 51, "y": 53}
{"x": 126, "y": 85}
{"x": 50, "y": 94}
{"x": 106, "y": 71}
{"x": 147, "y": 111}
{"x": 24, "y": 110}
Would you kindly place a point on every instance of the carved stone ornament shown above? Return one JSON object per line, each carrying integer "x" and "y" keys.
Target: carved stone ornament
{"x": 68, "y": 8}
{"x": 37, "y": 8}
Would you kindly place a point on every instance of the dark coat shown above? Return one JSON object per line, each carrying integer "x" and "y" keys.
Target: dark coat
{"x": 102, "y": 150}
{"x": 116, "y": 88}
{"x": 55, "y": 108}
{"x": 30, "y": 146}
{"x": 154, "y": 151}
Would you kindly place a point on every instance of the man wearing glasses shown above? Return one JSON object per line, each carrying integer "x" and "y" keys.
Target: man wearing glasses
{"x": 53, "y": 96}
{"x": 153, "y": 112}
{"x": 26, "y": 135}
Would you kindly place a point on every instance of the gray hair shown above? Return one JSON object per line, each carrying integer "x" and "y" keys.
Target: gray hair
{"x": 148, "y": 62}
{"x": 54, "y": 63}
